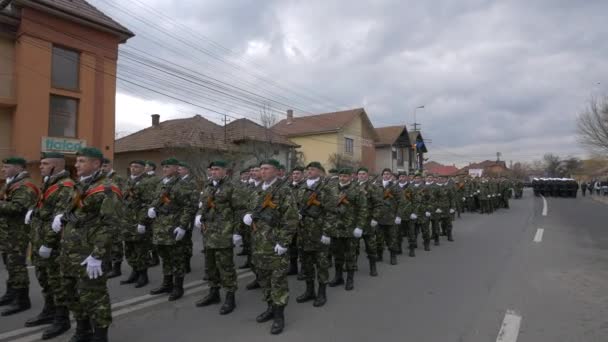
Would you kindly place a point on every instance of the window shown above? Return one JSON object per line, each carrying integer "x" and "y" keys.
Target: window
{"x": 65, "y": 65}
{"x": 400, "y": 156}
{"x": 62, "y": 119}
{"x": 348, "y": 145}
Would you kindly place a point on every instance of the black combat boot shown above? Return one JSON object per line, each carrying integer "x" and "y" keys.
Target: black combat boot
{"x": 380, "y": 255}
{"x": 266, "y": 315}
{"x": 84, "y": 332}
{"x": 165, "y": 287}
{"x": 46, "y": 316}
{"x": 253, "y": 285}
{"x": 279, "y": 320}
{"x": 293, "y": 266}
{"x": 9, "y": 295}
{"x": 213, "y": 297}
{"x": 373, "y": 271}
{"x": 412, "y": 252}
{"x": 247, "y": 263}
{"x": 350, "y": 280}
{"x": 21, "y": 302}
{"x": 187, "y": 266}
{"x": 229, "y": 304}
{"x": 116, "y": 271}
{"x": 450, "y": 236}
{"x": 142, "y": 279}
{"x": 100, "y": 335}
{"x": 309, "y": 294}
{"x": 393, "y": 258}
{"x": 338, "y": 279}
{"x": 436, "y": 237}
{"x": 321, "y": 296}
{"x": 61, "y": 323}
{"x": 427, "y": 245}
{"x": 131, "y": 279}
{"x": 178, "y": 289}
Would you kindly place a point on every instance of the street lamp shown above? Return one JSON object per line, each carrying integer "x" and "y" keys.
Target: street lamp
{"x": 416, "y": 124}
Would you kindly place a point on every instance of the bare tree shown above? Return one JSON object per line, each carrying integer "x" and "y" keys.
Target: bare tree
{"x": 551, "y": 162}
{"x": 593, "y": 125}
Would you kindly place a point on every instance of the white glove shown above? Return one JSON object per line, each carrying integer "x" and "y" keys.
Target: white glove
{"x": 237, "y": 240}
{"x": 197, "y": 221}
{"x": 357, "y": 232}
{"x": 300, "y": 217}
{"x": 56, "y": 226}
{"x": 28, "y": 216}
{"x": 397, "y": 220}
{"x": 179, "y": 233}
{"x": 413, "y": 217}
{"x": 200, "y": 204}
{"x": 280, "y": 250}
{"x": 247, "y": 219}
{"x": 489, "y": 196}
{"x": 438, "y": 211}
{"x": 326, "y": 240}
{"x": 427, "y": 214}
{"x": 374, "y": 223}
{"x": 452, "y": 211}
{"x": 93, "y": 267}
{"x": 152, "y": 213}
{"x": 478, "y": 191}
{"x": 45, "y": 252}
{"x": 464, "y": 198}
{"x": 141, "y": 229}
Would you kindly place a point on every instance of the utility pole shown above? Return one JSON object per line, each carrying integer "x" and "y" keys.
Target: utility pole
{"x": 225, "y": 120}
{"x": 498, "y": 154}
{"x": 415, "y": 123}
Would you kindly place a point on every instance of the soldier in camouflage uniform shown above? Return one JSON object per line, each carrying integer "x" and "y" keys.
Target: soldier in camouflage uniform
{"x": 87, "y": 229}
{"x": 57, "y": 195}
{"x": 20, "y": 194}
{"x": 172, "y": 212}
{"x": 317, "y": 205}
{"x": 188, "y": 181}
{"x": 446, "y": 203}
{"x": 423, "y": 204}
{"x": 352, "y": 214}
{"x": 150, "y": 170}
{"x": 255, "y": 183}
{"x": 117, "y": 245}
{"x": 407, "y": 211}
{"x": 137, "y": 233}
{"x": 387, "y": 218}
{"x": 273, "y": 216}
{"x": 243, "y": 185}
{"x": 297, "y": 182}
{"x": 483, "y": 193}
{"x": 222, "y": 207}
{"x": 370, "y": 227}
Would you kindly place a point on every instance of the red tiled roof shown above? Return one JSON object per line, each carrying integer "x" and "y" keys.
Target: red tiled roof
{"x": 439, "y": 169}
{"x": 314, "y": 124}
{"x": 388, "y": 135}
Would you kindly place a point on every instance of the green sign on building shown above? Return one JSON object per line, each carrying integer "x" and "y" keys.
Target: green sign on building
{"x": 64, "y": 145}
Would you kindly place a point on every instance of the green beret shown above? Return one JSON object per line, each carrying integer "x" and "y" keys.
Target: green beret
{"x": 150, "y": 163}
{"x": 14, "y": 161}
{"x": 272, "y": 162}
{"x": 244, "y": 171}
{"x": 346, "y": 171}
{"x": 170, "y": 161}
{"x": 418, "y": 174}
{"x": 138, "y": 162}
{"x": 386, "y": 169}
{"x": 183, "y": 164}
{"x": 315, "y": 165}
{"x": 281, "y": 167}
{"x": 402, "y": 173}
{"x": 51, "y": 155}
{"x": 218, "y": 163}
{"x": 298, "y": 168}
{"x": 90, "y": 152}
{"x": 105, "y": 160}
{"x": 364, "y": 169}
{"x": 334, "y": 170}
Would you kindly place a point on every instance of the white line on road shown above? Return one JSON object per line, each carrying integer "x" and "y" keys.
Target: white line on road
{"x": 545, "y": 206}
{"x": 31, "y": 334}
{"x": 539, "y": 235}
{"x": 510, "y": 327}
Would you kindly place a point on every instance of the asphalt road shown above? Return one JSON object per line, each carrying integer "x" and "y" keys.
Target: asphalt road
{"x": 501, "y": 280}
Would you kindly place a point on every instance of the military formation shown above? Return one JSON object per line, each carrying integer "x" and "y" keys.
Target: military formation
{"x": 555, "y": 187}
{"x": 303, "y": 223}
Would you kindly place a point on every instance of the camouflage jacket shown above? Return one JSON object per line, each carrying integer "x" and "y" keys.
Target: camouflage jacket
{"x": 409, "y": 202}
{"x": 374, "y": 203}
{"x": 18, "y": 197}
{"x": 352, "y": 210}
{"x": 175, "y": 203}
{"x": 389, "y": 199}
{"x": 317, "y": 205}
{"x": 422, "y": 200}
{"x": 222, "y": 207}
{"x": 120, "y": 182}
{"x": 275, "y": 220}
{"x": 57, "y": 198}
{"x": 90, "y": 223}
{"x": 139, "y": 194}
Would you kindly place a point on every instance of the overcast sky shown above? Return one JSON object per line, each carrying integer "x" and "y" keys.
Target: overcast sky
{"x": 493, "y": 76}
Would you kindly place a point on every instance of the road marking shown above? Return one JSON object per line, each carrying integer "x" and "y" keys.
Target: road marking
{"x": 545, "y": 206}
{"x": 539, "y": 235}
{"x": 510, "y": 327}
{"x": 31, "y": 334}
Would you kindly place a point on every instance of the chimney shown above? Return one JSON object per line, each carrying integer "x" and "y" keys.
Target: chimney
{"x": 155, "y": 120}
{"x": 289, "y": 116}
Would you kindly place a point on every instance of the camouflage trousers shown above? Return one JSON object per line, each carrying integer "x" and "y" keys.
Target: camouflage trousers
{"x": 344, "y": 251}
{"x": 49, "y": 277}
{"x": 245, "y": 232}
{"x": 485, "y": 206}
{"x": 137, "y": 254}
{"x": 446, "y": 225}
{"x": 387, "y": 235}
{"x": 408, "y": 229}
{"x": 117, "y": 250}
{"x": 187, "y": 244}
{"x": 370, "y": 241}
{"x": 16, "y": 250}
{"x": 173, "y": 259}
{"x": 422, "y": 226}
{"x": 220, "y": 268}
{"x": 316, "y": 261}
{"x": 88, "y": 299}
{"x": 272, "y": 277}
